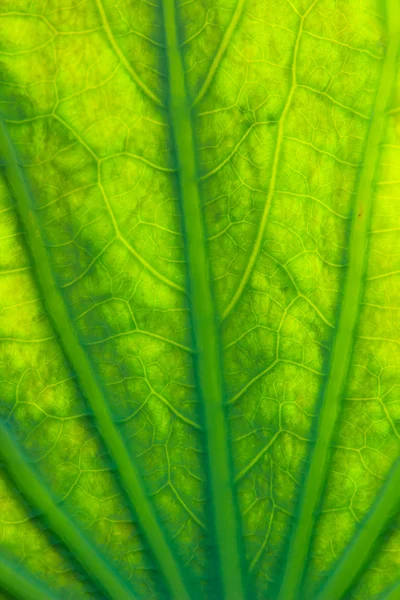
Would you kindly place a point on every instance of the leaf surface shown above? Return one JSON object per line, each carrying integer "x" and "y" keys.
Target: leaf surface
{"x": 199, "y": 275}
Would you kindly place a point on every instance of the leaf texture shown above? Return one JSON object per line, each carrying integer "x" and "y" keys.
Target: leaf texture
{"x": 199, "y": 295}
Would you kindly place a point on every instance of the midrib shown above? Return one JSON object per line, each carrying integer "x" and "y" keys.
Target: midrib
{"x": 89, "y": 383}
{"x": 343, "y": 343}
{"x": 208, "y": 361}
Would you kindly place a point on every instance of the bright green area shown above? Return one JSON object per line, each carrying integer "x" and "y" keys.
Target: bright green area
{"x": 199, "y": 299}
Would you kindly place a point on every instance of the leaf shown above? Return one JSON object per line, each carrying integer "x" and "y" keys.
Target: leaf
{"x": 199, "y": 292}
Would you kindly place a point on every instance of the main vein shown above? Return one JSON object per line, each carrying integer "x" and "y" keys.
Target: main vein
{"x": 89, "y": 383}
{"x": 208, "y": 360}
{"x": 83, "y": 550}
{"x": 343, "y": 344}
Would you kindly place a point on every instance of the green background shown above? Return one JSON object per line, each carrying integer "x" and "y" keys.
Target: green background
{"x": 199, "y": 299}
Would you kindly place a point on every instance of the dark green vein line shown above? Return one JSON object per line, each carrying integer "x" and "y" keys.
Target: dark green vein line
{"x": 90, "y": 386}
{"x": 29, "y": 483}
{"x": 343, "y": 344}
{"x": 208, "y": 360}
{"x": 356, "y": 555}
{"x": 15, "y": 580}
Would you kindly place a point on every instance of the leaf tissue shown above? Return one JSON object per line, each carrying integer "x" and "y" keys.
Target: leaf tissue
{"x": 200, "y": 299}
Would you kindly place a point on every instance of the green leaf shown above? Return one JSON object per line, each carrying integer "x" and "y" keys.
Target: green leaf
{"x": 199, "y": 296}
